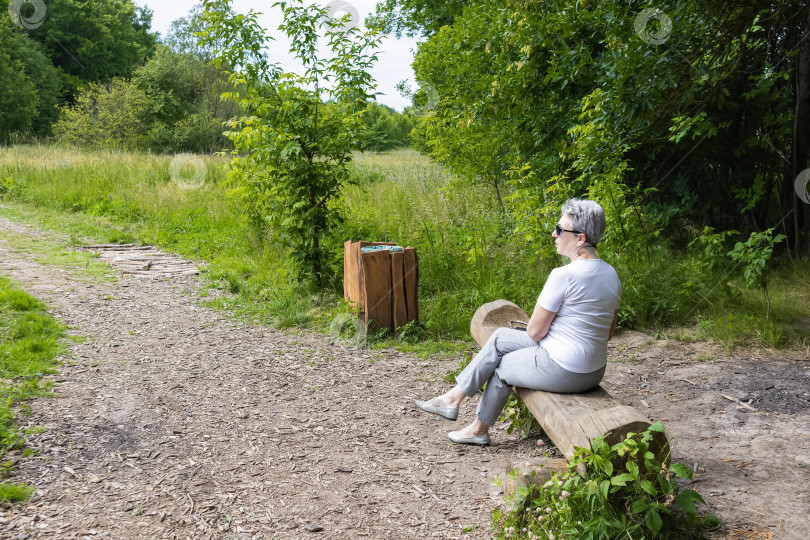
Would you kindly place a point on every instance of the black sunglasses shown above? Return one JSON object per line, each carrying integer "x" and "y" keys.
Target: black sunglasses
{"x": 559, "y": 230}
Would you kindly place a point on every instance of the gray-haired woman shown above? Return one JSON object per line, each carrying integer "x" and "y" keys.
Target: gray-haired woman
{"x": 564, "y": 348}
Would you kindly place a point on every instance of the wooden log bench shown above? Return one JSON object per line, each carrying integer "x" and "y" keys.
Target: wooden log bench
{"x": 570, "y": 420}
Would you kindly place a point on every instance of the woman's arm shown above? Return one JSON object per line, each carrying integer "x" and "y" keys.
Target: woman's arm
{"x": 540, "y": 323}
{"x": 613, "y": 324}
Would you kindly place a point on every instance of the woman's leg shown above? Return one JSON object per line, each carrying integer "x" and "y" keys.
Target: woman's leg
{"x": 525, "y": 368}
{"x": 529, "y": 368}
{"x": 480, "y": 368}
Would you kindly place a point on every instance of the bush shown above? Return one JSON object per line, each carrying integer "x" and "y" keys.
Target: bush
{"x": 626, "y": 492}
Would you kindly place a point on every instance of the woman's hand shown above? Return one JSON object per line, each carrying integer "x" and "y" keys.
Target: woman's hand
{"x": 540, "y": 323}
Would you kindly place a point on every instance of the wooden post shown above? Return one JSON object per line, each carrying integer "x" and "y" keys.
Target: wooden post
{"x": 349, "y": 272}
{"x": 411, "y": 269}
{"x": 353, "y": 289}
{"x": 377, "y": 288}
{"x": 400, "y": 310}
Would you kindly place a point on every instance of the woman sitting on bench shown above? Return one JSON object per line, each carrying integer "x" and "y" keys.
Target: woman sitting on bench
{"x": 564, "y": 347}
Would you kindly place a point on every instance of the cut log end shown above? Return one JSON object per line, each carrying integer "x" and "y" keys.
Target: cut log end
{"x": 492, "y": 316}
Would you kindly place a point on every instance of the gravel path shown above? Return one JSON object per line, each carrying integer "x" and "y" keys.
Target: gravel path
{"x": 172, "y": 420}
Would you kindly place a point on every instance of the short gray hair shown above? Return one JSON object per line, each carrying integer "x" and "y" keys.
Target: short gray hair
{"x": 587, "y": 217}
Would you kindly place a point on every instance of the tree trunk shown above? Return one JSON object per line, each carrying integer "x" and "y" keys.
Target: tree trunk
{"x": 801, "y": 144}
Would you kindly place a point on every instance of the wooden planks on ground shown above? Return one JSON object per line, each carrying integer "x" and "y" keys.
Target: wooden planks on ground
{"x": 143, "y": 260}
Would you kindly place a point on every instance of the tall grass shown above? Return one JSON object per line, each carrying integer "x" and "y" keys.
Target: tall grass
{"x": 29, "y": 345}
{"x": 468, "y": 251}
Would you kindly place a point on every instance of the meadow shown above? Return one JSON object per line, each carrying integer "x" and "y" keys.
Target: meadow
{"x": 468, "y": 251}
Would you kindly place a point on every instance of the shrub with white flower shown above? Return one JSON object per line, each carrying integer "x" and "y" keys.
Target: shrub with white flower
{"x": 627, "y": 491}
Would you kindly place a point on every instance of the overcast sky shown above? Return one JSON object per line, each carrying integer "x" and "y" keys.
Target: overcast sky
{"x": 395, "y": 56}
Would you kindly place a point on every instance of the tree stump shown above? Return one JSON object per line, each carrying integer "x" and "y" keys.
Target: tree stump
{"x": 569, "y": 420}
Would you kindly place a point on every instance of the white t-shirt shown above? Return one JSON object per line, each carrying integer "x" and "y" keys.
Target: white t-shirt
{"x": 585, "y": 294}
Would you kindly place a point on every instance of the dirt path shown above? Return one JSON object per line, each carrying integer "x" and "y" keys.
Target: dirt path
{"x": 173, "y": 421}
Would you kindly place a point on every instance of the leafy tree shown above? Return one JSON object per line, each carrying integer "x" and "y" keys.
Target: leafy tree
{"x": 184, "y": 36}
{"x": 94, "y": 41}
{"x": 417, "y": 17}
{"x": 185, "y": 110}
{"x": 29, "y": 85}
{"x": 295, "y": 148}
{"x": 563, "y": 98}
{"x": 17, "y": 91}
{"x": 105, "y": 116}
{"x": 386, "y": 128}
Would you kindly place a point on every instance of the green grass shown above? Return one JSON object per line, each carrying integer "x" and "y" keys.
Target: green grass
{"x": 469, "y": 252}
{"x": 15, "y": 492}
{"x": 29, "y": 345}
{"x": 83, "y": 266}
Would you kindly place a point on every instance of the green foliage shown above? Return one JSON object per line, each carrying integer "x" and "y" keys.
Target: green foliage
{"x": 94, "y": 41}
{"x": 386, "y": 129}
{"x": 417, "y": 17}
{"x": 627, "y": 491}
{"x": 6, "y": 186}
{"x": 562, "y": 98}
{"x": 754, "y": 255}
{"x": 184, "y": 111}
{"x": 713, "y": 253}
{"x": 29, "y": 345}
{"x": 29, "y": 84}
{"x": 105, "y": 116}
{"x": 185, "y": 36}
{"x": 518, "y": 417}
{"x": 171, "y": 105}
{"x": 295, "y": 149}
{"x": 15, "y": 492}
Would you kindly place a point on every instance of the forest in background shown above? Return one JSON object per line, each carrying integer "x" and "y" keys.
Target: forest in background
{"x": 93, "y": 74}
{"x": 683, "y": 121}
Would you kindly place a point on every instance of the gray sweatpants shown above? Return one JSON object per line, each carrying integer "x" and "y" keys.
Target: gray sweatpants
{"x": 511, "y": 358}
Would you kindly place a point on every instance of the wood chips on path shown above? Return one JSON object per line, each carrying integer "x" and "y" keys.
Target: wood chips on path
{"x": 172, "y": 420}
